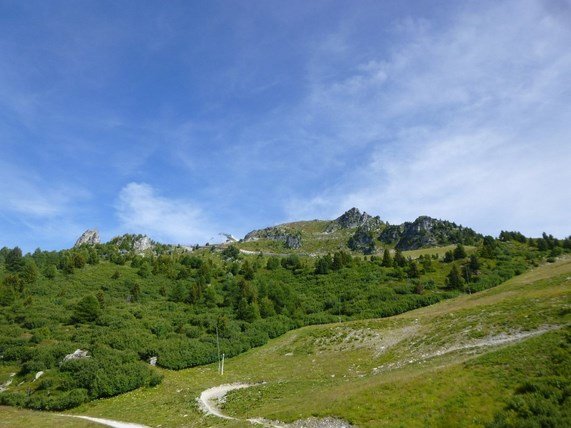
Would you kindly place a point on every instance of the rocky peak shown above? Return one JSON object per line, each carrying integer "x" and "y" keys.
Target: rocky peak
{"x": 424, "y": 223}
{"x": 354, "y": 218}
{"x": 89, "y": 237}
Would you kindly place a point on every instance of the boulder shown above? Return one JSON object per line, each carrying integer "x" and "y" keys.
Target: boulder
{"x": 76, "y": 355}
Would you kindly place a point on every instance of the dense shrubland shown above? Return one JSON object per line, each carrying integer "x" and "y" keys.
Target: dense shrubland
{"x": 174, "y": 305}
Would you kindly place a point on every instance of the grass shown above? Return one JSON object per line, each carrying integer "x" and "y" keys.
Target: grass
{"x": 378, "y": 372}
{"x": 439, "y": 251}
{"x": 314, "y": 241}
{"x": 13, "y": 417}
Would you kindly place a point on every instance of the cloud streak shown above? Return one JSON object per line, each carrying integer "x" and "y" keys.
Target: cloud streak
{"x": 141, "y": 210}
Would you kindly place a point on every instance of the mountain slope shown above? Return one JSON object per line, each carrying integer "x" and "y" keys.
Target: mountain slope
{"x": 358, "y": 232}
{"x": 455, "y": 363}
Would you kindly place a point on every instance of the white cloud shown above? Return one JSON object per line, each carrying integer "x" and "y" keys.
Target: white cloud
{"x": 470, "y": 122}
{"x": 141, "y": 210}
{"x": 31, "y": 196}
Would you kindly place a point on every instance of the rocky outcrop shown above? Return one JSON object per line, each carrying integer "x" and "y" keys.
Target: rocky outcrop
{"x": 362, "y": 240}
{"x": 136, "y": 243}
{"x": 78, "y": 354}
{"x": 291, "y": 238}
{"x": 391, "y": 234}
{"x": 89, "y": 237}
{"x": 427, "y": 232}
{"x": 142, "y": 244}
{"x": 354, "y": 218}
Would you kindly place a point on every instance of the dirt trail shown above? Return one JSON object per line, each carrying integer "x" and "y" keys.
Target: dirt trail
{"x": 209, "y": 399}
{"x": 108, "y": 422}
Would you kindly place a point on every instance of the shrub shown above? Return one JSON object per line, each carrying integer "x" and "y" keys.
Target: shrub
{"x": 86, "y": 310}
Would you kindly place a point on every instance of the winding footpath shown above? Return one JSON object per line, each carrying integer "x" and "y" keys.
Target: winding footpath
{"x": 108, "y": 422}
{"x": 209, "y": 398}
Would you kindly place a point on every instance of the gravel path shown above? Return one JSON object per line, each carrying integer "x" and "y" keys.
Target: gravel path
{"x": 108, "y": 422}
{"x": 210, "y": 397}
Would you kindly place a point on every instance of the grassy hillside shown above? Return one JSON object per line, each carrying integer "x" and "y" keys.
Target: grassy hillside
{"x": 314, "y": 239}
{"x": 456, "y": 363}
{"x": 181, "y": 309}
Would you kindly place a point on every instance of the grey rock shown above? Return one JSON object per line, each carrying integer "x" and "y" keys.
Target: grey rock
{"x": 391, "y": 234}
{"x": 142, "y": 244}
{"x": 427, "y": 232}
{"x": 89, "y": 237}
{"x": 354, "y": 218}
{"x": 76, "y": 355}
{"x": 291, "y": 238}
{"x": 129, "y": 242}
{"x": 362, "y": 240}
{"x": 313, "y": 422}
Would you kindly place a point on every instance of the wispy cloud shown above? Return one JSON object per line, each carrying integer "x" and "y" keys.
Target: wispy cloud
{"x": 141, "y": 210}
{"x": 37, "y": 212}
{"x": 468, "y": 122}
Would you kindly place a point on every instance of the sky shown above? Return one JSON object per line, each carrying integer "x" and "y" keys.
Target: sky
{"x": 185, "y": 119}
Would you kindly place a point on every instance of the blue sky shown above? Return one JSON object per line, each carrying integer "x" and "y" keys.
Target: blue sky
{"x": 184, "y": 119}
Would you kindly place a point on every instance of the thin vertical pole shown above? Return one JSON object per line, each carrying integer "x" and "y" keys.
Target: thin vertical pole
{"x": 222, "y": 371}
{"x": 218, "y": 347}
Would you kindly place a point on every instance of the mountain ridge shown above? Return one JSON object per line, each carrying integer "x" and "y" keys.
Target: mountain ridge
{"x": 361, "y": 232}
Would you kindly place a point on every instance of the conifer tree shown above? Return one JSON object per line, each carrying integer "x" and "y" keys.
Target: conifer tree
{"x": 454, "y": 279}
{"x": 387, "y": 259}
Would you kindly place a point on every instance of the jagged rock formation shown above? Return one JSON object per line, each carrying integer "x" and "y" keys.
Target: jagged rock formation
{"x": 291, "y": 238}
{"x": 426, "y": 232}
{"x": 354, "y": 218}
{"x": 142, "y": 244}
{"x": 391, "y": 234}
{"x": 362, "y": 240}
{"x": 89, "y": 237}
{"x": 367, "y": 226}
{"x": 137, "y": 243}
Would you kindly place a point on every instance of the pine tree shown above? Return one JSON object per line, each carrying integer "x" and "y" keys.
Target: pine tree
{"x": 399, "y": 258}
{"x": 387, "y": 259}
{"x": 413, "y": 271}
{"x": 454, "y": 280}
{"x": 14, "y": 260}
{"x": 474, "y": 263}
{"x": 459, "y": 252}
{"x": 448, "y": 257}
